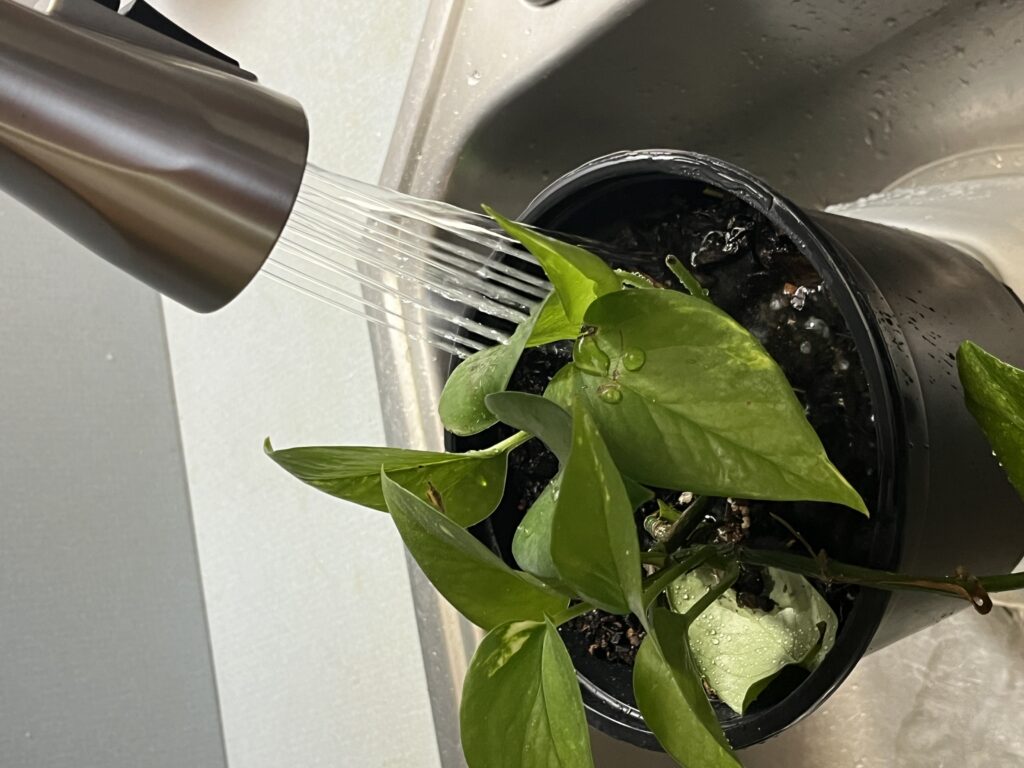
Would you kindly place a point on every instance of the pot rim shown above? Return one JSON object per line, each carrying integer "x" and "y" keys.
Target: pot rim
{"x": 838, "y": 270}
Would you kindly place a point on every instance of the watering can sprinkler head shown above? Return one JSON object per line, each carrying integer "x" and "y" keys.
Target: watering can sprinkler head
{"x": 168, "y": 162}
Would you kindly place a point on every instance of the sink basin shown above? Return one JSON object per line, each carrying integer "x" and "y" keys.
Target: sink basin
{"x": 827, "y": 101}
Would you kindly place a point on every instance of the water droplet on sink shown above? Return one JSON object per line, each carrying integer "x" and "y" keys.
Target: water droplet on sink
{"x": 634, "y": 359}
{"x": 474, "y": 78}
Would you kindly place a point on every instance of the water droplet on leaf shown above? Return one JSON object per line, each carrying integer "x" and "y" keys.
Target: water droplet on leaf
{"x": 634, "y": 359}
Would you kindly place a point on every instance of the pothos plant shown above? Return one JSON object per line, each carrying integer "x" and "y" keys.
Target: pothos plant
{"x": 664, "y": 390}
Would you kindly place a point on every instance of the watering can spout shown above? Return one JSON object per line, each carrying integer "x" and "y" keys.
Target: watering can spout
{"x": 170, "y": 163}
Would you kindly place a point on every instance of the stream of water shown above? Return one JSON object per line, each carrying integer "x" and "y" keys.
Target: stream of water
{"x": 426, "y": 269}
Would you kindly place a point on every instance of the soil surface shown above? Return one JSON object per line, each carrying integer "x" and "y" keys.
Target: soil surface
{"x": 761, "y": 279}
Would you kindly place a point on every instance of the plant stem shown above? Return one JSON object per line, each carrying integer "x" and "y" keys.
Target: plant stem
{"x": 974, "y": 590}
{"x": 507, "y": 444}
{"x": 732, "y": 572}
{"x": 571, "y": 613}
{"x": 653, "y": 558}
{"x": 1005, "y": 583}
{"x": 637, "y": 279}
{"x": 683, "y": 527}
{"x": 660, "y": 581}
{"x": 686, "y": 277}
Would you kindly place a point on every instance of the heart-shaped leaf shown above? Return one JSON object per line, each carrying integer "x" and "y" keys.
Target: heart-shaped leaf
{"x": 521, "y": 704}
{"x": 671, "y": 697}
{"x": 994, "y": 391}
{"x": 687, "y": 398}
{"x": 562, "y": 387}
{"x": 462, "y": 407}
{"x": 531, "y": 544}
{"x": 578, "y": 275}
{"x": 471, "y": 484}
{"x": 471, "y": 577}
{"x": 537, "y": 415}
{"x": 740, "y": 650}
{"x": 593, "y": 539}
{"x": 552, "y": 324}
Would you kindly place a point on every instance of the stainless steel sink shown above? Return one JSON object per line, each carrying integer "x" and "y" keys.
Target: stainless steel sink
{"x": 826, "y": 100}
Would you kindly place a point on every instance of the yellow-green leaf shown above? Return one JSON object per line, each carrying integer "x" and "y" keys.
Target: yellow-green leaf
{"x": 671, "y": 697}
{"x": 471, "y": 577}
{"x": 578, "y": 275}
{"x": 994, "y": 391}
{"x": 594, "y": 542}
{"x": 521, "y": 704}
{"x": 740, "y": 650}
{"x": 470, "y": 484}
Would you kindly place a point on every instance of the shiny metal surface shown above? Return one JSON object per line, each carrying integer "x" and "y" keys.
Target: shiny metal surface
{"x": 827, "y": 102}
{"x": 170, "y": 167}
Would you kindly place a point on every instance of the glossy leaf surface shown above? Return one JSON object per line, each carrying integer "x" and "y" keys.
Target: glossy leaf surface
{"x": 994, "y": 391}
{"x": 470, "y": 484}
{"x": 552, "y": 324}
{"x": 671, "y": 697}
{"x": 539, "y": 416}
{"x": 462, "y": 407}
{"x": 740, "y": 650}
{"x": 471, "y": 577}
{"x": 521, "y": 704}
{"x": 687, "y": 398}
{"x": 594, "y": 540}
{"x": 578, "y": 275}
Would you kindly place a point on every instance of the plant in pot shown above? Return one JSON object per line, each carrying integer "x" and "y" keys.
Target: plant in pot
{"x": 674, "y": 555}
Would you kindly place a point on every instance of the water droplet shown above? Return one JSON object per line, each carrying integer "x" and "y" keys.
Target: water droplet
{"x": 714, "y": 641}
{"x": 776, "y": 304}
{"x": 890, "y": 22}
{"x": 805, "y": 347}
{"x": 610, "y": 393}
{"x": 817, "y": 325}
{"x": 474, "y": 78}
{"x": 110, "y": 357}
{"x": 634, "y": 359}
{"x": 590, "y": 358}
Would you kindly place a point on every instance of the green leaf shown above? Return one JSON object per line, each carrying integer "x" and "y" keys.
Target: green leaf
{"x": 593, "y": 539}
{"x": 687, "y": 398}
{"x": 740, "y": 650}
{"x": 994, "y": 391}
{"x": 539, "y": 416}
{"x": 531, "y": 544}
{"x": 462, "y": 407}
{"x": 562, "y": 387}
{"x": 521, "y": 704}
{"x": 470, "y": 484}
{"x": 671, "y": 697}
{"x": 552, "y": 324}
{"x": 471, "y": 577}
{"x": 578, "y": 275}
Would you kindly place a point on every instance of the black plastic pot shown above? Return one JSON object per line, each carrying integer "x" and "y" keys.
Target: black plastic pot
{"x": 908, "y": 301}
